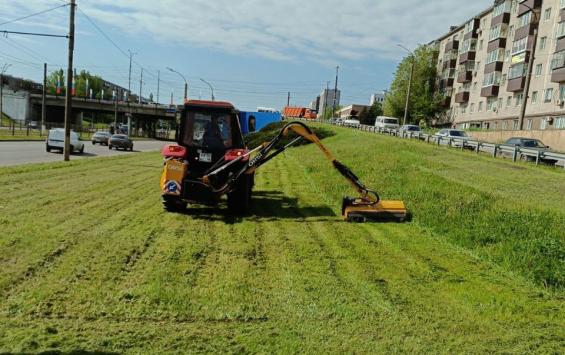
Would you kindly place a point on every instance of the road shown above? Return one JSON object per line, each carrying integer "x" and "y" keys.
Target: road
{"x": 16, "y": 153}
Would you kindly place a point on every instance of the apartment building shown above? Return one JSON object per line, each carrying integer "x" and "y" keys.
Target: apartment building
{"x": 483, "y": 65}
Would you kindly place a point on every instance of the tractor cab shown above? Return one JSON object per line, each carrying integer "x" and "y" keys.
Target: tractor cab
{"x": 209, "y": 135}
{"x": 208, "y": 130}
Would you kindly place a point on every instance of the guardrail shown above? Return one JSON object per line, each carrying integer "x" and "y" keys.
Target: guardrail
{"x": 494, "y": 149}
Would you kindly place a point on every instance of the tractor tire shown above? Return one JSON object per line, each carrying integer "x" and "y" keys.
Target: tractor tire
{"x": 239, "y": 200}
{"x": 173, "y": 204}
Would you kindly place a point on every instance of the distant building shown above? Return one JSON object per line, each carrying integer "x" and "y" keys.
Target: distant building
{"x": 315, "y": 104}
{"x": 327, "y": 99}
{"x": 378, "y": 97}
{"x": 352, "y": 110}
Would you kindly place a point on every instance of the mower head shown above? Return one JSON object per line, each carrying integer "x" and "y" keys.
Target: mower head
{"x": 360, "y": 210}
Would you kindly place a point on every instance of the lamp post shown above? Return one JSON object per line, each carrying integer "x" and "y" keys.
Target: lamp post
{"x": 131, "y": 54}
{"x": 409, "y": 91}
{"x": 211, "y": 88}
{"x": 529, "y": 70}
{"x": 185, "y": 82}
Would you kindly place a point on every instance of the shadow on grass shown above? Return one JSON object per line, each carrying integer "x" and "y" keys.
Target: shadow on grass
{"x": 73, "y": 352}
{"x": 265, "y": 206}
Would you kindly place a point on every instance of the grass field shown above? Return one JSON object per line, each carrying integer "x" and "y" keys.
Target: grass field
{"x": 90, "y": 262}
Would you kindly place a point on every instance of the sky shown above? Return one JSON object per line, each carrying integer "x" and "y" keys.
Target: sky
{"x": 253, "y": 52}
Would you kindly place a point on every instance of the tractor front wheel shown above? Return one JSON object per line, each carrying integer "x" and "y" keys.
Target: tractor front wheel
{"x": 173, "y": 204}
{"x": 239, "y": 199}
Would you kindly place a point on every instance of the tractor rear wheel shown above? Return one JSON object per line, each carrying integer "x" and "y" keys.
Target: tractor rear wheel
{"x": 239, "y": 199}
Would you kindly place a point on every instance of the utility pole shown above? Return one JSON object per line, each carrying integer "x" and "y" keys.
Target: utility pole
{"x": 288, "y": 100}
{"x": 4, "y": 68}
{"x": 68, "y": 96}
{"x": 409, "y": 91}
{"x": 158, "y": 84}
{"x": 335, "y": 90}
{"x": 140, "y": 86}
{"x": 529, "y": 72}
{"x": 326, "y": 100}
{"x": 115, "y": 108}
{"x": 43, "y": 99}
{"x": 131, "y": 54}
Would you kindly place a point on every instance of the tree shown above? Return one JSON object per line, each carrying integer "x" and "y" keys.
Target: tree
{"x": 329, "y": 112}
{"x": 81, "y": 79}
{"x": 425, "y": 100}
{"x": 364, "y": 117}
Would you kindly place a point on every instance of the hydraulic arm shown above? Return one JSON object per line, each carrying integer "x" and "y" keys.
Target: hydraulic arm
{"x": 368, "y": 206}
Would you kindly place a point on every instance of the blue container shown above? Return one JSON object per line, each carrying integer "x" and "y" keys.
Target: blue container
{"x": 248, "y": 120}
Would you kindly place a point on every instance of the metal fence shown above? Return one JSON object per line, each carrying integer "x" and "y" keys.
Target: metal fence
{"x": 493, "y": 149}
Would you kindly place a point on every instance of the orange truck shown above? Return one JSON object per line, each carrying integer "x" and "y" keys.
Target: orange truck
{"x": 299, "y": 112}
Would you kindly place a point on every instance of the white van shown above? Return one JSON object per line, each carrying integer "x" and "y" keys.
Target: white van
{"x": 387, "y": 122}
{"x": 56, "y": 141}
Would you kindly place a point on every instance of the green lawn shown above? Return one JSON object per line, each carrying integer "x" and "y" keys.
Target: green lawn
{"x": 90, "y": 262}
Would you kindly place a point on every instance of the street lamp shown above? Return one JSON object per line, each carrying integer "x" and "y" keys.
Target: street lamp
{"x": 211, "y": 88}
{"x": 2, "y": 72}
{"x": 131, "y": 54}
{"x": 409, "y": 82}
{"x": 185, "y": 82}
{"x": 529, "y": 72}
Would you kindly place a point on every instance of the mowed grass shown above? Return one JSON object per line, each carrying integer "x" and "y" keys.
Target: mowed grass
{"x": 90, "y": 262}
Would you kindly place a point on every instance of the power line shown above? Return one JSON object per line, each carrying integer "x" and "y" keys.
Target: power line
{"x": 34, "y": 14}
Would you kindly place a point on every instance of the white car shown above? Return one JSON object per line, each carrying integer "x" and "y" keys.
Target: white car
{"x": 457, "y": 135}
{"x": 387, "y": 122}
{"x": 351, "y": 122}
{"x": 56, "y": 141}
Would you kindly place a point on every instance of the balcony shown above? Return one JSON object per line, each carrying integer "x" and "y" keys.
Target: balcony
{"x": 465, "y": 77}
{"x": 462, "y": 97}
{"x": 446, "y": 101}
{"x": 558, "y": 67}
{"x": 490, "y": 91}
{"x": 492, "y": 67}
{"x": 558, "y": 75}
{"x": 534, "y": 4}
{"x": 451, "y": 46}
{"x": 502, "y": 18}
{"x": 450, "y": 64}
{"x": 474, "y": 33}
{"x": 516, "y": 84}
{"x": 467, "y": 56}
{"x": 496, "y": 44}
{"x": 525, "y": 31}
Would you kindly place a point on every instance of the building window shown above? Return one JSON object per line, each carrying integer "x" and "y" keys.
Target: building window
{"x": 507, "y": 56}
{"x": 519, "y": 46}
{"x": 542, "y": 43}
{"x": 518, "y": 99}
{"x": 509, "y": 101}
{"x": 515, "y": 125}
{"x": 491, "y": 104}
{"x": 534, "y": 97}
{"x": 543, "y": 123}
{"x": 538, "y": 69}
{"x": 547, "y": 14}
{"x": 529, "y": 125}
{"x": 481, "y": 106}
{"x": 495, "y": 56}
{"x": 503, "y": 80}
{"x": 548, "y": 95}
{"x": 562, "y": 93}
{"x": 505, "y": 125}
{"x": 481, "y": 45}
{"x": 472, "y": 108}
{"x": 491, "y": 79}
{"x": 498, "y": 31}
{"x": 525, "y": 19}
{"x": 562, "y": 4}
{"x": 500, "y": 102}
{"x": 517, "y": 71}
{"x": 561, "y": 29}
{"x": 560, "y": 122}
{"x": 463, "y": 109}
{"x": 558, "y": 60}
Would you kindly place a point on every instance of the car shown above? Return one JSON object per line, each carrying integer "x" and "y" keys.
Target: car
{"x": 528, "y": 143}
{"x": 33, "y": 125}
{"x": 120, "y": 141}
{"x": 387, "y": 122}
{"x": 56, "y": 141}
{"x": 101, "y": 138}
{"x": 457, "y": 135}
{"x": 410, "y": 128}
{"x": 351, "y": 122}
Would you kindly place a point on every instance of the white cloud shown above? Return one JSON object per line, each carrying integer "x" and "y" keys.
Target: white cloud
{"x": 315, "y": 30}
